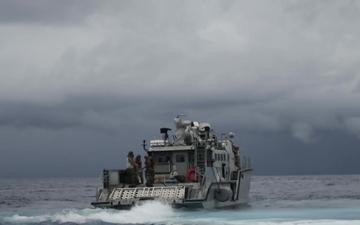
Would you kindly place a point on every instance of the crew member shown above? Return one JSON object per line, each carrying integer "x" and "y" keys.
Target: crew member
{"x": 139, "y": 169}
{"x": 173, "y": 173}
{"x": 131, "y": 169}
{"x": 149, "y": 171}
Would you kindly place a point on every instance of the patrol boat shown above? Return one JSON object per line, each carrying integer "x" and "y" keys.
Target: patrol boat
{"x": 195, "y": 169}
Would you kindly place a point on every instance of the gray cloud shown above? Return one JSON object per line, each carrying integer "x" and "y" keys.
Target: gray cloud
{"x": 353, "y": 124}
{"x": 303, "y": 131}
{"x": 259, "y": 68}
{"x": 45, "y": 11}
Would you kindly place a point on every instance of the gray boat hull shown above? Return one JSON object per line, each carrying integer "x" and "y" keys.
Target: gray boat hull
{"x": 217, "y": 195}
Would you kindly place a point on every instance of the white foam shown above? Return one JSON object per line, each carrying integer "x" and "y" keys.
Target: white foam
{"x": 149, "y": 212}
{"x": 301, "y": 222}
{"x": 267, "y": 222}
{"x": 159, "y": 213}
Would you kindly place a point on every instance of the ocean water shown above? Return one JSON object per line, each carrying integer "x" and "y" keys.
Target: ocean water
{"x": 300, "y": 200}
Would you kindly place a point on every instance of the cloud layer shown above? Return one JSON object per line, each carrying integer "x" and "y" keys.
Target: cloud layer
{"x": 280, "y": 67}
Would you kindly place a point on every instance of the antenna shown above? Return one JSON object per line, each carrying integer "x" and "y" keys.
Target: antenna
{"x": 144, "y": 146}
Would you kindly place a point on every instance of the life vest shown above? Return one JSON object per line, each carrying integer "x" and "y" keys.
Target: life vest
{"x": 191, "y": 174}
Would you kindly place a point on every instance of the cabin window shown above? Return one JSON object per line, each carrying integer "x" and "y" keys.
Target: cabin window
{"x": 209, "y": 158}
{"x": 180, "y": 158}
{"x": 164, "y": 159}
{"x": 223, "y": 170}
{"x": 168, "y": 159}
{"x": 161, "y": 159}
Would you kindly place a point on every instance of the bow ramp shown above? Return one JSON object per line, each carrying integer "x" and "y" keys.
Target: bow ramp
{"x": 164, "y": 193}
{"x": 127, "y": 197}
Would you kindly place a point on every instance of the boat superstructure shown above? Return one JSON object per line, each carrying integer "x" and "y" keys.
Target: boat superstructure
{"x": 193, "y": 168}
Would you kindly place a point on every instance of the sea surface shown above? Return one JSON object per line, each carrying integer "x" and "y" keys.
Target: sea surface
{"x": 300, "y": 200}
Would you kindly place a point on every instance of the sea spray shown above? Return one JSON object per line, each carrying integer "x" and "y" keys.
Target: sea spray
{"x": 149, "y": 212}
{"x": 158, "y": 213}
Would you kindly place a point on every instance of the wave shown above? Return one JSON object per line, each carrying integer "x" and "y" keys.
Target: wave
{"x": 124, "y": 218}
{"x": 149, "y": 212}
{"x": 160, "y": 213}
{"x": 297, "y": 222}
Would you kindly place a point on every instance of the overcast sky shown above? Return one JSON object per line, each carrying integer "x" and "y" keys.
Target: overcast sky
{"x": 83, "y": 82}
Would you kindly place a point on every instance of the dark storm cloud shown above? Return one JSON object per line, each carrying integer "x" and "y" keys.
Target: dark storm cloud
{"x": 110, "y": 114}
{"x": 45, "y": 11}
{"x": 80, "y": 112}
{"x": 30, "y": 116}
{"x": 283, "y": 72}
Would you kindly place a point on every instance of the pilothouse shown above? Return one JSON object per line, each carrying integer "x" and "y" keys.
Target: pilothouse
{"x": 193, "y": 168}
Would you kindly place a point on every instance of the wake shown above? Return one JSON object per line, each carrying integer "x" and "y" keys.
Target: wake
{"x": 159, "y": 213}
{"x": 149, "y": 212}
